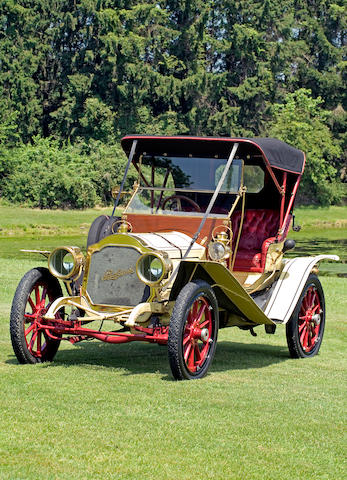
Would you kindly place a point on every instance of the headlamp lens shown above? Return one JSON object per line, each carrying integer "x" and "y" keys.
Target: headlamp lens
{"x": 156, "y": 268}
{"x": 216, "y": 250}
{"x": 151, "y": 268}
{"x": 64, "y": 263}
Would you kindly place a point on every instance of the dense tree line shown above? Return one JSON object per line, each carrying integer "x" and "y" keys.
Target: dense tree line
{"x": 75, "y": 75}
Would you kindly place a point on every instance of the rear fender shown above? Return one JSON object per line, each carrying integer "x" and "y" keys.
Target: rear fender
{"x": 289, "y": 286}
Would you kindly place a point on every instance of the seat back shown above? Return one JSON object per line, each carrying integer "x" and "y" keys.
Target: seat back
{"x": 258, "y": 225}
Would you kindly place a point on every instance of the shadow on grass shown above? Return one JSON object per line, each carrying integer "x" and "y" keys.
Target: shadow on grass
{"x": 137, "y": 358}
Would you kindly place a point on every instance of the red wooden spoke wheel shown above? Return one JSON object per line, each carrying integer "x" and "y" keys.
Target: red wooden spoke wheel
{"x": 36, "y": 291}
{"x": 197, "y": 334}
{"x": 306, "y": 326}
{"x": 35, "y": 336}
{"x": 193, "y": 331}
{"x": 309, "y": 319}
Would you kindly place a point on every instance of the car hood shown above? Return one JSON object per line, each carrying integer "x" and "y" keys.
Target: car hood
{"x": 175, "y": 244}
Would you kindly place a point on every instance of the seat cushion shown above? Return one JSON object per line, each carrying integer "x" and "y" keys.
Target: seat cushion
{"x": 248, "y": 260}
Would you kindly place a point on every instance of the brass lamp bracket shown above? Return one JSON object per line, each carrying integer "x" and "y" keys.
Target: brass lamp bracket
{"x": 124, "y": 226}
{"x": 224, "y": 236}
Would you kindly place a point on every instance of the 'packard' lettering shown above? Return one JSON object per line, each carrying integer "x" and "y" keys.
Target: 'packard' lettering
{"x": 111, "y": 275}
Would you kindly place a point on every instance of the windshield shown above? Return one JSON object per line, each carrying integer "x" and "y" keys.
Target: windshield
{"x": 184, "y": 185}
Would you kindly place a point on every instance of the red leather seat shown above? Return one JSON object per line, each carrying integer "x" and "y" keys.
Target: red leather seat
{"x": 258, "y": 232}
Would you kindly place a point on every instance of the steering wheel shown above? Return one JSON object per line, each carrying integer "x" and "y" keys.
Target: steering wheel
{"x": 179, "y": 198}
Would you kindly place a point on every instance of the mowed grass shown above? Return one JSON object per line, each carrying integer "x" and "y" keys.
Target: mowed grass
{"x": 113, "y": 411}
{"x": 334, "y": 216}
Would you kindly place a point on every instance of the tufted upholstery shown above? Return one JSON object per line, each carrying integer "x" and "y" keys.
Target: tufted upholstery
{"x": 258, "y": 232}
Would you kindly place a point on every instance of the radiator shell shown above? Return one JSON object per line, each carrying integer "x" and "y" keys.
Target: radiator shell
{"x": 112, "y": 278}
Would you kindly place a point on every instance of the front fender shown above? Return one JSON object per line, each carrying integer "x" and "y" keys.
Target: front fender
{"x": 289, "y": 286}
{"x": 230, "y": 293}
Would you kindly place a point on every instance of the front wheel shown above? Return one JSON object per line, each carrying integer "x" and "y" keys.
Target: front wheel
{"x": 193, "y": 331}
{"x": 306, "y": 325}
{"x": 35, "y": 292}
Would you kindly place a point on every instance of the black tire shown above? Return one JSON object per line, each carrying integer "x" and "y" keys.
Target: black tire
{"x": 305, "y": 328}
{"x": 25, "y": 309}
{"x": 102, "y": 227}
{"x": 188, "y": 332}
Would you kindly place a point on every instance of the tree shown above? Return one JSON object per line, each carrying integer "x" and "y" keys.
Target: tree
{"x": 302, "y": 122}
{"x": 86, "y": 71}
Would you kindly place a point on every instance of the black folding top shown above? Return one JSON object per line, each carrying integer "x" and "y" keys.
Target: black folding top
{"x": 281, "y": 155}
{"x": 276, "y": 153}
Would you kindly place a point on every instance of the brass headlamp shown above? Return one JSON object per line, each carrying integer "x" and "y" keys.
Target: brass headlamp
{"x": 152, "y": 268}
{"x": 220, "y": 246}
{"x": 66, "y": 262}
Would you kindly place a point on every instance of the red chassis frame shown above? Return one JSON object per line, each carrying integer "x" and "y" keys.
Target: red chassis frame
{"x": 75, "y": 328}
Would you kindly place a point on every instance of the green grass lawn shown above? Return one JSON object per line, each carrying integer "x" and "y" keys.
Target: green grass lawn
{"x": 324, "y": 230}
{"x": 113, "y": 411}
{"x": 334, "y": 216}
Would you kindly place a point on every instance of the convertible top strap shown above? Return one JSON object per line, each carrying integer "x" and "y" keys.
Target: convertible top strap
{"x": 210, "y": 205}
{"x": 130, "y": 159}
{"x": 214, "y": 196}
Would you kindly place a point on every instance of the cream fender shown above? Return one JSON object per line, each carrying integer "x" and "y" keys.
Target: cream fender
{"x": 289, "y": 286}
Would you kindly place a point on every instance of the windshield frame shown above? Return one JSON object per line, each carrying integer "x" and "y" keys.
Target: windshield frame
{"x": 148, "y": 184}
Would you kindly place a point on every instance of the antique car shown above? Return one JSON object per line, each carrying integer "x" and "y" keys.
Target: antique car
{"x": 199, "y": 247}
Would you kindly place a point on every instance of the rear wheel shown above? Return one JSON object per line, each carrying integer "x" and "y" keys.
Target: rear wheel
{"x": 193, "y": 331}
{"x": 101, "y": 227}
{"x": 306, "y": 326}
{"x": 35, "y": 292}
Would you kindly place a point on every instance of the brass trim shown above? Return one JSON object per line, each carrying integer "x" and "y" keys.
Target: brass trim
{"x": 186, "y": 190}
{"x": 274, "y": 256}
{"x": 166, "y": 264}
{"x": 82, "y": 303}
{"x": 78, "y": 260}
{"x": 117, "y": 240}
{"x": 243, "y": 195}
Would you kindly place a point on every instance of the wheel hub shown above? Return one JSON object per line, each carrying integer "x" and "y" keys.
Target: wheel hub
{"x": 316, "y": 319}
{"x": 197, "y": 333}
{"x": 204, "y": 334}
{"x": 40, "y": 311}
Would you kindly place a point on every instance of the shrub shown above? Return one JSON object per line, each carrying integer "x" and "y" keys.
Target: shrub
{"x": 47, "y": 175}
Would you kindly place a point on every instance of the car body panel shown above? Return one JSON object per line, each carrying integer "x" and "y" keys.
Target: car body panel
{"x": 289, "y": 286}
{"x": 174, "y": 243}
{"x": 238, "y": 301}
{"x": 163, "y": 223}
